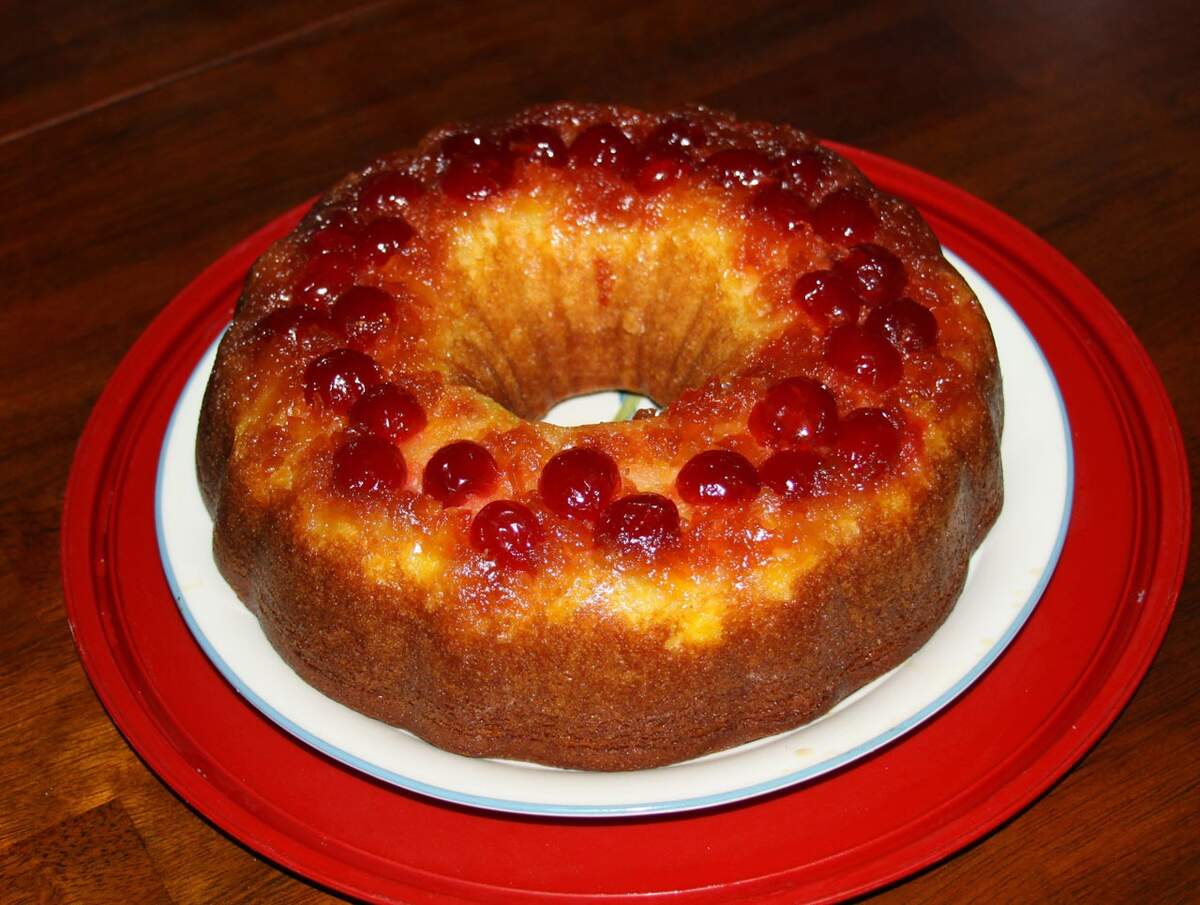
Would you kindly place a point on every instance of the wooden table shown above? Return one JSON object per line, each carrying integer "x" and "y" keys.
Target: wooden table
{"x": 140, "y": 139}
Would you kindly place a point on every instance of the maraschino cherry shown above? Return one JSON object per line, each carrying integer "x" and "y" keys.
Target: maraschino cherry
{"x": 873, "y": 272}
{"x": 642, "y": 525}
{"x": 907, "y": 325}
{"x": 604, "y": 147}
{"x": 466, "y": 144}
{"x": 382, "y": 238}
{"x": 660, "y": 170}
{"x": 795, "y": 474}
{"x": 364, "y": 314}
{"x": 827, "y": 296}
{"x": 782, "y": 207}
{"x": 717, "y": 476}
{"x": 845, "y": 217}
{"x": 507, "y": 532}
{"x": 537, "y": 143}
{"x": 341, "y": 236}
{"x": 388, "y": 192}
{"x": 478, "y": 172}
{"x": 459, "y": 471}
{"x": 794, "y": 412}
{"x": 366, "y": 466}
{"x": 802, "y": 171}
{"x": 868, "y": 357}
{"x": 868, "y": 444}
{"x": 294, "y": 324}
{"x": 340, "y": 378}
{"x": 739, "y": 166}
{"x": 388, "y": 412}
{"x": 324, "y": 278}
{"x": 579, "y": 483}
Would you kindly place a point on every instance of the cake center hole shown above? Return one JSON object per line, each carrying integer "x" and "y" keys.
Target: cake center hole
{"x": 540, "y": 311}
{"x": 598, "y": 408}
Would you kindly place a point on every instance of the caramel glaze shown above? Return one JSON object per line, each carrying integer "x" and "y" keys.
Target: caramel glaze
{"x": 567, "y": 280}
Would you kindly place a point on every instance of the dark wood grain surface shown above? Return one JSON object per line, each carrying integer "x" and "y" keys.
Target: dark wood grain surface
{"x": 140, "y": 139}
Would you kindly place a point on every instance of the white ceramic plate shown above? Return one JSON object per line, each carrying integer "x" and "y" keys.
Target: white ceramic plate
{"x": 1007, "y": 576}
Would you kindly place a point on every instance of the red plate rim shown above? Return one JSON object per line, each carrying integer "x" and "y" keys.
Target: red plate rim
{"x": 1002, "y": 250}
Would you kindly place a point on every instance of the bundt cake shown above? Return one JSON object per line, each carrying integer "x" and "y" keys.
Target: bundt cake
{"x": 794, "y": 521}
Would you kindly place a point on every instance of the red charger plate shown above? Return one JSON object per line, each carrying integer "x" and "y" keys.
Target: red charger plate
{"x": 1047, "y": 699}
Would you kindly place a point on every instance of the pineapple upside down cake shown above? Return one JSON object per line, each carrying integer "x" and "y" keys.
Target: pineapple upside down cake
{"x": 796, "y": 520}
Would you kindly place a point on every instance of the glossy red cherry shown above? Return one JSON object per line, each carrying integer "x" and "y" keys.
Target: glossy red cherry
{"x": 604, "y": 147}
{"x": 661, "y": 170}
{"x": 907, "y": 325}
{"x": 366, "y": 466}
{"x": 642, "y": 524}
{"x": 827, "y": 296}
{"x": 845, "y": 217}
{"x": 467, "y": 144}
{"x": 868, "y": 444}
{"x": 388, "y": 412}
{"x": 783, "y": 208}
{"x": 340, "y": 378}
{"x": 717, "y": 476}
{"x": 873, "y": 272}
{"x": 294, "y": 323}
{"x": 677, "y": 134}
{"x": 333, "y": 238}
{"x": 794, "y": 412}
{"x": 507, "y": 532}
{"x": 868, "y": 357}
{"x": 459, "y": 471}
{"x": 364, "y": 314}
{"x": 479, "y": 175}
{"x": 380, "y": 239}
{"x": 388, "y": 192}
{"x": 802, "y": 171}
{"x": 795, "y": 474}
{"x": 579, "y": 483}
{"x": 324, "y": 278}
{"x": 537, "y": 143}
{"x": 739, "y": 166}
{"x": 462, "y": 180}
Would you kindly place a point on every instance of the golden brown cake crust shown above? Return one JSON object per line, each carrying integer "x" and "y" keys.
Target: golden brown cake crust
{"x": 485, "y": 662}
